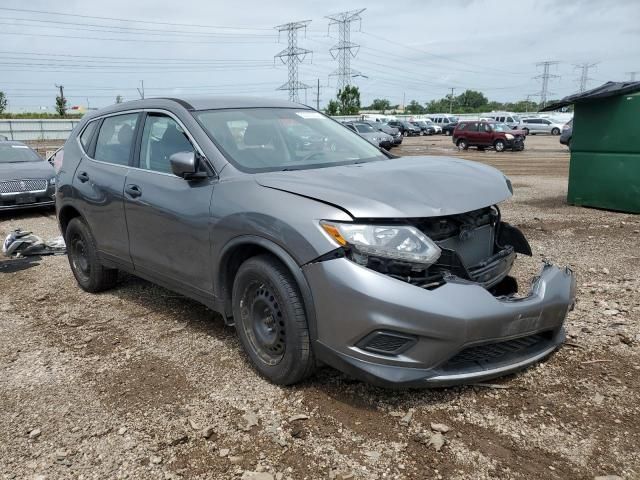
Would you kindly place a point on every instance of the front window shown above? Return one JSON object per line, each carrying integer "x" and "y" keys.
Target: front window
{"x": 16, "y": 153}
{"x": 501, "y": 127}
{"x": 271, "y": 139}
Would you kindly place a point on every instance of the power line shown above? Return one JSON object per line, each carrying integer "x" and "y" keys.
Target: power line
{"x": 584, "y": 74}
{"x": 345, "y": 48}
{"x": 149, "y": 22}
{"x": 545, "y": 76}
{"x": 292, "y": 56}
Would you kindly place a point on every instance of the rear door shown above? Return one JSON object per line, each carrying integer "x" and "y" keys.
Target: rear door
{"x": 472, "y": 134}
{"x": 167, "y": 216}
{"x": 99, "y": 182}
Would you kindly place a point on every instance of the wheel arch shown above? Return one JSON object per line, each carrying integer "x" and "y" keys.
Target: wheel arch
{"x": 65, "y": 215}
{"x": 239, "y": 249}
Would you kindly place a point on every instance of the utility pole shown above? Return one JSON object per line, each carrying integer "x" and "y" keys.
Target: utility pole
{"x": 451, "y": 101}
{"x": 632, "y": 75}
{"x": 318, "y": 96}
{"x": 292, "y": 56}
{"x": 545, "y": 76}
{"x": 141, "y": 89}
{"x": 584, "y": 74}
{"x": 345, "y": 49}
{"x": 61, "y": 88}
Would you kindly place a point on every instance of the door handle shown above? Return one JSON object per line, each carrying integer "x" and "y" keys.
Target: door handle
{"x": 83, "y": 176}
{"x": 133, "y": 191}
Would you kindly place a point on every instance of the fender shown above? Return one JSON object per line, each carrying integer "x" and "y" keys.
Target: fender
{"x": 284, "y": 257}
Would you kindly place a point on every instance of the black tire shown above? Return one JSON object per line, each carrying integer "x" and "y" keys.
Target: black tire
{"x": 90, "y": 274}
{"x": 271, "y": 322}
{"x": 405, "y": 133}
{"x": 499, "y": 145}
{"x": 555, "y": 131}
{"x": 462, "y": 144}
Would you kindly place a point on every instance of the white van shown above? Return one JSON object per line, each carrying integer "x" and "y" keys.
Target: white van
{"x": 443, "y": 119}
{"x": 509, "y": 118}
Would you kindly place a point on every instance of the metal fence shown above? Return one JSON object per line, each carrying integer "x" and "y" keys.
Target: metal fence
{"x": 37, "y": 129}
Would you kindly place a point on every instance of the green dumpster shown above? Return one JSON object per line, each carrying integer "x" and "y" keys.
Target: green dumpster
{"x": 605, "y": 147}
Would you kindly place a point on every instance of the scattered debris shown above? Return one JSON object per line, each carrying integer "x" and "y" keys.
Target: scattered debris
{"x": 35, "y": 433}
{"x": 208, "y": 432}
{"x": 224, "y": 452}
{"x": 251, "y": 420}
{"x": 437, "y": 441}
{"x": 299, "y": 416}
{"x": 406, "y": 420}
{"x": 155, "y": 459}
{"x": 247, "y": 475}
{"x": 122, "y": 430}
{"x": 439, "y": 427}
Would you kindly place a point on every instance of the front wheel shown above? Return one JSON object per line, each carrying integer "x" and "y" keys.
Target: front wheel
{"x": 405, "y": 133}
{"x": 499, "y": 145}
{"x": 555, "y": 131}
{"x": 271, "y": 322}
{"x": 462, "y": 144}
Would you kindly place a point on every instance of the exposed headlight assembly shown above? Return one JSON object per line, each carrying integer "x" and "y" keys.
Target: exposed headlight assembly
{"x": 509, "y": 136}
{"x": 397, "y": 242}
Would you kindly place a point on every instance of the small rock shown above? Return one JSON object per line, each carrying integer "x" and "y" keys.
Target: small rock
{"x": 155, "y": 459}
{"x": 208, "y": 432}
{"x": 61, "y": 454}
{"x": 122, "y": 430}
{"x": 299, "y": 416}
{"x": 439, "y": 427}
{"x": 224, "y": 452}
{"x": 35, "y": 433}
{"x": 605, "y": 270}
{"x": 437, "y": 441}
{"x": 406, "y": 420}
{"x": 247, "y": 475}
{"x": 345, "y": 476}
{"x": 373, "y": 455}
{"x": 598, "y": 398}
{"x": 236, "y": 459}
{"x": 194, "y": 424}
{"x": 611, "y": 312}
{"x": 279, "y": 476}
{"x": 251, "y": 419}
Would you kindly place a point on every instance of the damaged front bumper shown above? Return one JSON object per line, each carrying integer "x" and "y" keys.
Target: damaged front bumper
{"x": 392, "y": 333}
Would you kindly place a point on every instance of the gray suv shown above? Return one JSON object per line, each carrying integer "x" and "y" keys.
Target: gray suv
{"x": 394, "y": 270}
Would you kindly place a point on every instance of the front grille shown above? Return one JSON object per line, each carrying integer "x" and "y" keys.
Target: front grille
{"x": 386, "y": 342}
{"x": 20, "y": 186}
{"x": 492, "y": 352}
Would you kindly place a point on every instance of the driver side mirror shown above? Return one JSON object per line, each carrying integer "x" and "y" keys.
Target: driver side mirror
{"x": 186, "y": 165}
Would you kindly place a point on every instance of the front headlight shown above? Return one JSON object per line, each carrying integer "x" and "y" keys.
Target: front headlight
{"x": 508, "y": 136}
{"x": 397, "y": 242}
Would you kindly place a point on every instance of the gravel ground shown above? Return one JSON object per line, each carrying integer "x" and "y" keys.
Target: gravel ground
{"x": 139, "y": 382}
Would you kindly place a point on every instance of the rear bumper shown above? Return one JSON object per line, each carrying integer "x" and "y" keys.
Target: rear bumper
{"x": 459, "y": 333}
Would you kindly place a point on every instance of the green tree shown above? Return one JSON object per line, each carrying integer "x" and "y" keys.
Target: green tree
{"x": 332, "y": 107}
{"x": 3, "y": 102}
{"x": 472, "y": 101}
{"x": 349, "y": 99}
{"x": 380, "y": 104}
{"x": 61, "y": 105}
{"x": 414, "y": 108}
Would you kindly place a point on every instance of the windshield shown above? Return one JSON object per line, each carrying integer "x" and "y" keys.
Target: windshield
{"x": 501, "y": 127}
{"x": 364, "y": 128}
{"x": 271, "y": 139}
{"x": 10, "y": 153}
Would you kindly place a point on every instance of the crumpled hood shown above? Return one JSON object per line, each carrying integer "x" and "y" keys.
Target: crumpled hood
{"x": 398, "y": 188}
{"x": 19, "y": 170}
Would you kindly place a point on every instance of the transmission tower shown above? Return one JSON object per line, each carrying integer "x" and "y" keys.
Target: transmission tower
{"x": 545, "y": 76}
{"x": 584, "y": 74}
{"x": 345, "y": 49}
{"x": 632, "y": 76}
{"x": 292, "y": 56}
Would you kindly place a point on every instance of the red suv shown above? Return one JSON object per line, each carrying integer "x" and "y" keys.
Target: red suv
{"x": 483, "y": 134}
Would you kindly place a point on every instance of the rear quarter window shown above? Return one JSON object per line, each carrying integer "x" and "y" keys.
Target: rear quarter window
{"x": 87, "y": 135}
{"x": 462, "y": 126}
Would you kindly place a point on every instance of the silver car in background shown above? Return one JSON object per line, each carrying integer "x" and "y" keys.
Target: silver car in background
{"x": 371, "y": 135}
{"x": 540, "y": 125}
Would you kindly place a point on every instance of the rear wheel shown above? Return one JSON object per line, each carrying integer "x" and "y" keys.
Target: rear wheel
{"x": 271, "y": 321}
{"x": 499, "y": 145}
{"x": 405, "y": 133}
{"x": 555, "y": 131}
{"x": 462, "y": 144}
{"x": 90, "y": 274}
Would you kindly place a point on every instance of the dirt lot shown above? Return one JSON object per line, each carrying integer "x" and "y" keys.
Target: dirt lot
{"x": 123, "y": 384}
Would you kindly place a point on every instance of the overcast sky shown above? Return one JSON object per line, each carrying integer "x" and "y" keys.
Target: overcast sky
{"x": 415, "y": 49}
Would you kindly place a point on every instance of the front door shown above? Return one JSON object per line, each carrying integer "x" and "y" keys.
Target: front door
{"x": 167, "y": 216}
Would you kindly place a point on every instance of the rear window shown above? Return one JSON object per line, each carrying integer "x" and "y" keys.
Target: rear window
{"x": 87, "y": 134}
{"x": 461, "y": 126}
{"x": 116, "y": 138}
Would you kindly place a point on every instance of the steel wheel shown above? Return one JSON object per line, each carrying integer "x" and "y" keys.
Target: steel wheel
{"x": 79, "y": 257}
{"x": 262, "y": 322}
{"x": 499, "y": 146}
{"x": 462, "y": 144}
